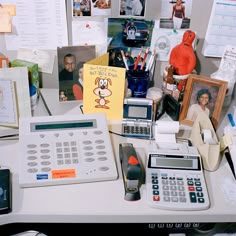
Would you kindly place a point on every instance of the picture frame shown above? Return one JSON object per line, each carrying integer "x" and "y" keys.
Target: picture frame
{"x": 195, "y": 87}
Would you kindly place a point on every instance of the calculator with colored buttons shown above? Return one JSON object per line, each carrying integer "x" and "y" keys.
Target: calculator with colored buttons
{"x": 65, "y": 150}
{"x": 176, "y": 182}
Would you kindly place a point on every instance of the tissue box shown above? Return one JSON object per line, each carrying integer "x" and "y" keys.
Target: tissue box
{"x": 34, "y": 81}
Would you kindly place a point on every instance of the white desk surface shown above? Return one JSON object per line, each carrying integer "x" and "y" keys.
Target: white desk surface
{"x": 103, "y": 202}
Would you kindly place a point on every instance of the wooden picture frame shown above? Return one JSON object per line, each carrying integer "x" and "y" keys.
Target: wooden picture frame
{"x": 216, "y": 88}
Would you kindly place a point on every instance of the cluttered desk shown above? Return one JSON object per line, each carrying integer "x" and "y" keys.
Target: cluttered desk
{"x": 109, "y": 144}
{"x": 110, "y": 199}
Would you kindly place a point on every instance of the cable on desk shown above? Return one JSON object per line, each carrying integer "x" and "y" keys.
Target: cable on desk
{"x": 45, "y": 104}
{"x": 9, "y": 136}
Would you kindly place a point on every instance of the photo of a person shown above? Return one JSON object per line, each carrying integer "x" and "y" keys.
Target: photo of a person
{"x": 68, "y": 72}
{"x": 85, "y": 6}
{"x": 102, "y": 4}
{"x": 203, "y": 98}
{"x": 202, "y": 95}
{"x": 122, "y": 7}
{"x": 178, "y": 14}
{"x": 62, "y": 96}
{"x": 76, "y": 8}
{"x": 78, "y": 86}
{"x": 68, "y": 58}
{"x": 175, "y": 14}
{"x": 81, "y": 8}
{"x": 131, "y": 31}
{"x": 100, "y": 8}
{"x": 132, "y": 7}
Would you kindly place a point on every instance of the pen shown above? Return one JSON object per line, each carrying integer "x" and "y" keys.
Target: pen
{"x": 144, "y": 58}
{"x": 150, "y": 62}
{"x": 124, "y": 59}
{"x": 137, "y": 60}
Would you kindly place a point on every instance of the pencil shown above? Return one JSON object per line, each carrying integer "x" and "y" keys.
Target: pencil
{"x": 137, "y": 60}
{"x": 144, "y": 59}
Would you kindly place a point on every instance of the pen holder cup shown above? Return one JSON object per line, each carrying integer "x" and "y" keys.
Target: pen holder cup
{"x": 138, "y": 81}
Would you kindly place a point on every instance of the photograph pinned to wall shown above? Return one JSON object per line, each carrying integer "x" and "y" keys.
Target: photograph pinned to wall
{"x": 176, "y": 14}
{"x": 203, "y": 94}
{"x": 81, "y": 8}
{"x": 100, "y": 7}
{"x": 133, "y": 8}
{"x": 129, "y": 32}
{"x": 70, "y": 59}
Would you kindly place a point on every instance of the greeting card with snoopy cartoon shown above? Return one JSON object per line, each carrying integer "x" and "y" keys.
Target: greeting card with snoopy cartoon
{"x": 103, "y": 88}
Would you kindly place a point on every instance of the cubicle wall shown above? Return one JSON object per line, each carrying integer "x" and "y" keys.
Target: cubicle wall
{"x": 201, "y": 10}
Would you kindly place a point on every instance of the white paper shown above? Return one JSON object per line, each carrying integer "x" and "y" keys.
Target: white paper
{"x": 87, "y": 32}
{"x": 44, "y": 59}
{"x": 8, "y": 106}
{"x": 164, "y": 40}
{"x": 228, "y": 61}
{"x": 39, "y": 24}
{"x": 221, "y": 29}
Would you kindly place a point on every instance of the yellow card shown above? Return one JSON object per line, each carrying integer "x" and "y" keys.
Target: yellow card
{"x": 103, "y": 88}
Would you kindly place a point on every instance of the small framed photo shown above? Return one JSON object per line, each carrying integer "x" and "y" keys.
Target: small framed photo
{"x": 203, "y": 94}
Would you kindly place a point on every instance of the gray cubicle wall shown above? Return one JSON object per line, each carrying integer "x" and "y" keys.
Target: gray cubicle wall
{"x": 201, "y": 10}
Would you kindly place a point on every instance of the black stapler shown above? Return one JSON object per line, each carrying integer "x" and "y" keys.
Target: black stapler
{"x": 132, "y": 169}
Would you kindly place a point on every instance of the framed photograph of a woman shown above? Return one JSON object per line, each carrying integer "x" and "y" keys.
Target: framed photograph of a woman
{"x": 203, "y": 94}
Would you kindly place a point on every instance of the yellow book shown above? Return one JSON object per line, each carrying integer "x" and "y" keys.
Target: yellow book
{"x": 104, "y": 88}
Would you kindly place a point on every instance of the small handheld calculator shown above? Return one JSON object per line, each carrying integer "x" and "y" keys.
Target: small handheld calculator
{"x": 176, "y": 182}
{"x": 137, "y": 117}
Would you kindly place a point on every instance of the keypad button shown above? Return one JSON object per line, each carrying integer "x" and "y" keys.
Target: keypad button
{"x": 193, "y": 197}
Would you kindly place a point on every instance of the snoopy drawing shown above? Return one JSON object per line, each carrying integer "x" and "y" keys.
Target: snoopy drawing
{"x": 102, "y": 91}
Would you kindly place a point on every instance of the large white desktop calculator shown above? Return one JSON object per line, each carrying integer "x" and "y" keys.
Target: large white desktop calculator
{"x": 65, "y": 149}
{"x": 176, "y": 182}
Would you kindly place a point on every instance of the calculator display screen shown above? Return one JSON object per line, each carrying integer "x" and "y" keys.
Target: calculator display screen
{"x": 138, "y": 112}
{"x": 44, "y": 126}
{"x": 156, "y": 161}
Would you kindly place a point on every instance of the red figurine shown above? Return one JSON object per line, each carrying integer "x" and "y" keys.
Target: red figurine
{"x": 182, "y": 56}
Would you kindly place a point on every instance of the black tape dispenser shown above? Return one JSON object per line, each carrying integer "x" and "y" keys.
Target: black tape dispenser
{"x": 132, "y": 171}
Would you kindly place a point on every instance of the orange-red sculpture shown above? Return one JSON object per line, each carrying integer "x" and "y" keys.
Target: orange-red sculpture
{"x": 182, "y": 56}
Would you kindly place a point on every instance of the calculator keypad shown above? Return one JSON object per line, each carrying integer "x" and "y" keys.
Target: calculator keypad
{"x": 176, "y": 190}
{"x": 136, "y": 130}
